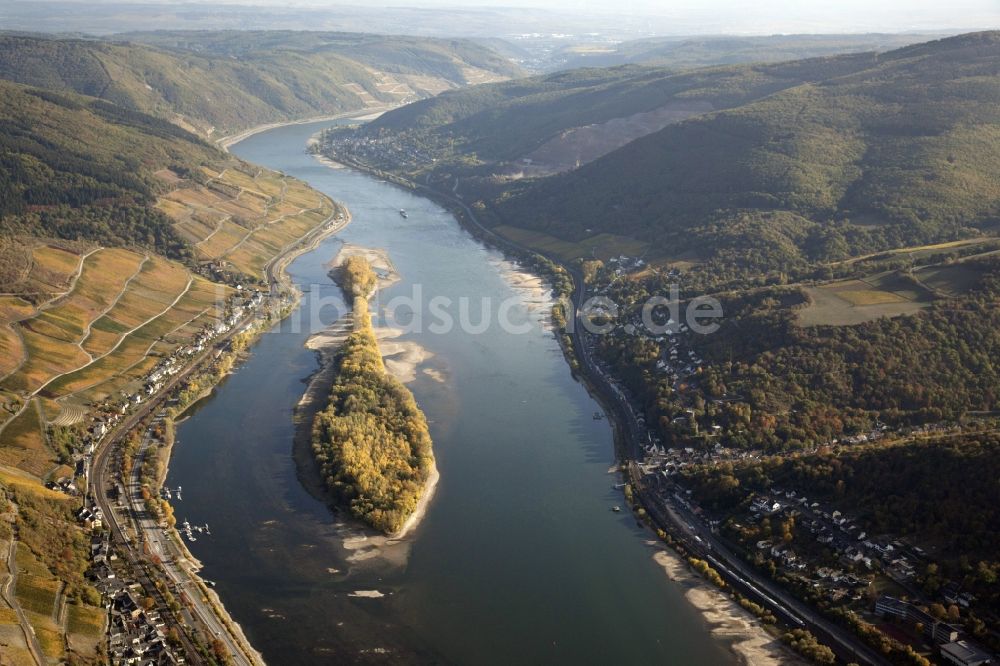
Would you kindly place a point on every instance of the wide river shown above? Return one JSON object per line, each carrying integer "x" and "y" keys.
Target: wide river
{"x": 519, "y": 560}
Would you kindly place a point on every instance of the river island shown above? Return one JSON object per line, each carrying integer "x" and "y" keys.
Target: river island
{"x": 371, "y": 442}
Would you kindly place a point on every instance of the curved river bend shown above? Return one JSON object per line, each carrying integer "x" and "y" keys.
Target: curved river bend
{"x": 519, "y": 559}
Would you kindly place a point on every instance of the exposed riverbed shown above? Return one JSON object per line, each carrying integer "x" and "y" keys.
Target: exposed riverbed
{"x": 519, "y": 558}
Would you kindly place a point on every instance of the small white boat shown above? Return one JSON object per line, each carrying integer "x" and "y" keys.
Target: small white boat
{"x": 402, "y": 213}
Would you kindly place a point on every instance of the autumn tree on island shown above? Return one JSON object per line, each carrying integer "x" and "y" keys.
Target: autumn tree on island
{"x": 356, "y": 277}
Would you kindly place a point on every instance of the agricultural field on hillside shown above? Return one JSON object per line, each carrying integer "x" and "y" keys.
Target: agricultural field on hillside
{"x": 23, "y": 445}
{"x": 36, "y": 593}
{"x": 241, "y": 221}
{"x": 15, "y": 651}
{"x": 49, "y": 569}
{"x": 84, "y": 628}
{"x": 42, "y": 596}
{"x": 121, "y": 312}
{"x": 86, "y": 317}
{"x": 893, "y": 293}
{"x": 849, "y": 302}
{"x": 601, "y": 246}
{"x": 948, "y": 281}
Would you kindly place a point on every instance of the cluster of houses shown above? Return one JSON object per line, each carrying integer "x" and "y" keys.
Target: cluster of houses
{"x": 672, "y": 364}
{"x": 668, "y": 462}
{"x": 623, "y": 265}
{"x": 383, "y": 149}
{"x": 238, "y": 307}
{"x": 136, "y": 634}
{"x": 841, "y": 534}
{"x": 109, "y": 414}
{"x": 100, "y": 573}
{"x": 881, "y": 430}
{"x": 171, "y": 365}
{"x": 955, "y": 648}
{"x": 680, "y": 366}
{"x": 952, "y": 593}
{"x": 154, "y": 380}
{"x": 657, "y": 458}
{"x": 873, "y": 435}
{"x": 677, "y": 362}
{"x": 856, "y": 549}
{"x": 222, "y": 271}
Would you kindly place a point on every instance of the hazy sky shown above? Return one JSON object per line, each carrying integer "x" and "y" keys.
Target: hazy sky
{"x": 758, "y": 16}
{"x": 784, "y": 15}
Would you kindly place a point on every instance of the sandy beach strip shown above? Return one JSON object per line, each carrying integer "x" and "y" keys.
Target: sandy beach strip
{"x": 365, "y": 114}
{"x": 730, "y": 623}
{"x": 402, "y": 358}
{"x": 535, "y": 296}
{"x": 421, "y": 509}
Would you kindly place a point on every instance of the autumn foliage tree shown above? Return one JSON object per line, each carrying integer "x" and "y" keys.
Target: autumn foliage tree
{"x": 356, "y": 277}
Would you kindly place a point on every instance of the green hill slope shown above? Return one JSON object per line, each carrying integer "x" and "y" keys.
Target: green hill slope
{"x": 902, "y": 152}
{"x": 218, "y": 83}
{"x": 80, "y": 168}
{"x": 448, "y": 59}
{"x": 504, "y": 122}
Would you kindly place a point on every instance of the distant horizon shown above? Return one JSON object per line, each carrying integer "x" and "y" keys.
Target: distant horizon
{"x": 685, "y": 18}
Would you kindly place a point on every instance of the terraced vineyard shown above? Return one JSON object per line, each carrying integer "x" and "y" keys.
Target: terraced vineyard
{"x": 241, "y": 221}
{"x": 121, "y": 312}
{"x": 86, "y": 325}
{"x": 38, "y": 615}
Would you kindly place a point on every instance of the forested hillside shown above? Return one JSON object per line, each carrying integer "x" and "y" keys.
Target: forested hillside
{"x": 903, "y": 151}
{"x": 218, "y": 83}
{"x": 767, "y": 166}
{"x": 486, "y": 126}
{"x": 846, "y": 216}
{"x": 768, "y": 382}
{"x": 448, "y": 59}
{"x": 75, "y": 167}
